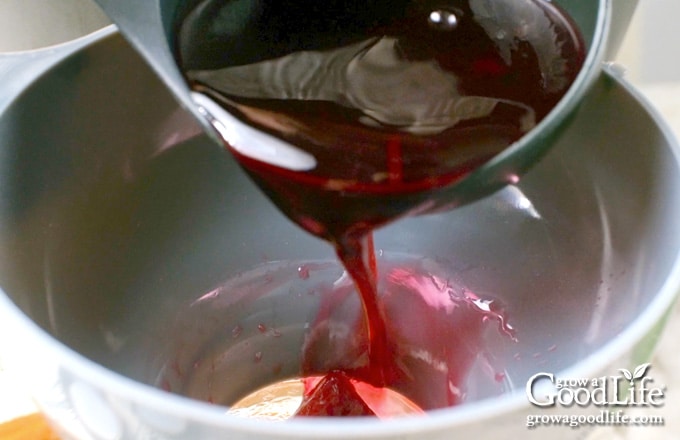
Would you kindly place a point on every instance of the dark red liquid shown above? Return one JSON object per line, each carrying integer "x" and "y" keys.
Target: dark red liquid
{"x": 391, "y": 100}
{"x": 390, "y": 103}
{"x": 434, "y": 332}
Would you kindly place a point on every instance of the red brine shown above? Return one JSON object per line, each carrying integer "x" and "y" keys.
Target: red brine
{"x": 435, "y": 330}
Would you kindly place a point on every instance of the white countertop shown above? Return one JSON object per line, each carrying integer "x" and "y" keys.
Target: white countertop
{"x": 666, "y": 363}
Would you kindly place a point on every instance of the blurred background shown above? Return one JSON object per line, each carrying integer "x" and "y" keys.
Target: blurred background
{"x": 31, "y": 24}
{"x": 650, "y": 50}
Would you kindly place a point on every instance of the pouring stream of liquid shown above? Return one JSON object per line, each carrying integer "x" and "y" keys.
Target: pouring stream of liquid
{"x": 350, "y": 117}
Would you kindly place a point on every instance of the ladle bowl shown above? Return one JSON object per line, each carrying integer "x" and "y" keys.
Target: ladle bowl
{"x": 151, "y": 27}
{"x": 124, "y": 229}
